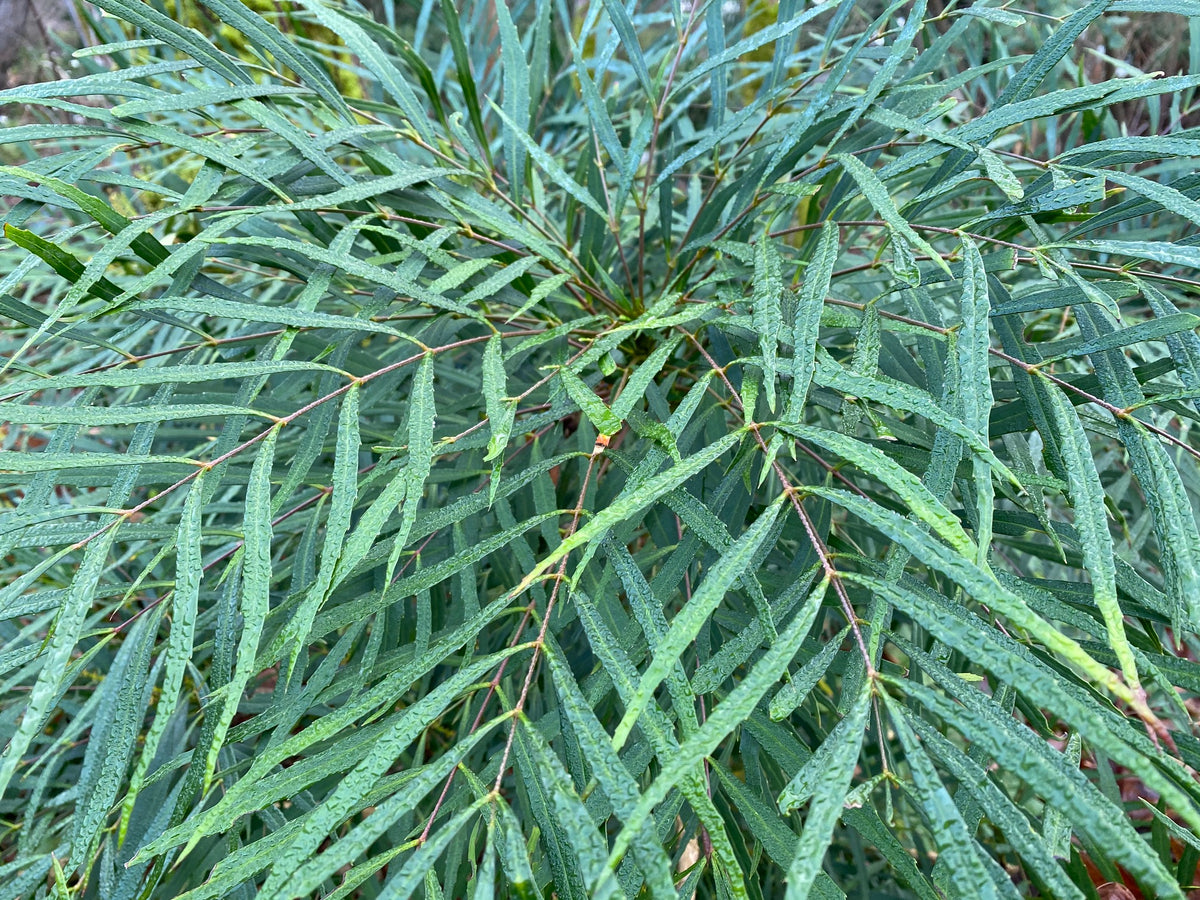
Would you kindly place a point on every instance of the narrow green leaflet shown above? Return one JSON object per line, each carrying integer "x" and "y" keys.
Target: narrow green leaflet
{"x": 965, "y": 869}
{"x": 419, "y": 866}
{"x": 1056, "y": 826}
{"x": 501, "y": 411}
{"x": 491, "y": 287}
{"x": 776, "y": 838}
{"x": 577, "y": 844}
{"x": 341, "y": 511}
{"x": 612, "y": 775}
{"x": 543, "y": 290}
{"x": 911, "y": 491}
{"x": 62, "y": 262}
{"x": 143, "y": 376}
{"x": 972, "y": 347}
{"x": 68, "y": 627}
{"x": 421, "y": 416}
{"x": 602, "y": 418}
{"x": 835, "y": 769}
{"x": 1156, "y": 251}
{"x": 514, "y": 858}
{"x": 904, "y": 261}
{"x": 184, "y": 609}
{"x": 728, "y": 715}
{"x": 997, "y": 170}
{"x": 635, "y": 389}
{"x": 375, "y": 59}
{"x": 119, "y": 714}
{"x": 1091, "y": 521}
{"x": 516, "y": 95}
{"x": 877, "y": 194}
{"x": 1162, "y": 327}
{"x": 768, "y": 315}
{"x": 351, "y": 790}
{"x": 629, "y": 40}
{"x": 813, "y": 777}
{"x": 162, "y": 27}
{"x": 268, "y": 37}
{"x": 883, "y": 78}
{"x": 255, "y": 600}
{"x": 1173, "y": 517}
{"x": 899, "y": 395}
{"x": 252, "y": 312}
{"x": 214, "y": 97}
{"x": 1164, "y": 195}
{"x": 22, "y": 414}
{"x": 979, "y": 583}
{"x": 466, "y": 79}
{"x": 687, "y": 624}
{"x": 796, "y": 689}
{"x": 458, "y": 274}
{"x": 598, "y": 111}
{"x": 810, "y": 304}
{"x": 551, "y": 167}
{"x": 1007, "y": 816}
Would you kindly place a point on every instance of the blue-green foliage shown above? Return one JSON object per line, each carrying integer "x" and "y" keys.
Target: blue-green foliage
{"x": 610, "y": 450}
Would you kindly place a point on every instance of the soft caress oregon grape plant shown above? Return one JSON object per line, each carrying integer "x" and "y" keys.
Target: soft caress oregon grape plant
{"x": 652, "y": 449}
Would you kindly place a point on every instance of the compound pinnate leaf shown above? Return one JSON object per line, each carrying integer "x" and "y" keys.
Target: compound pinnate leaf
{"x": 498, "y": 451}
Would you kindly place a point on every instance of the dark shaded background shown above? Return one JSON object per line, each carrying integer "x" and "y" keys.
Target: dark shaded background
{"x": 32, "y": 35}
